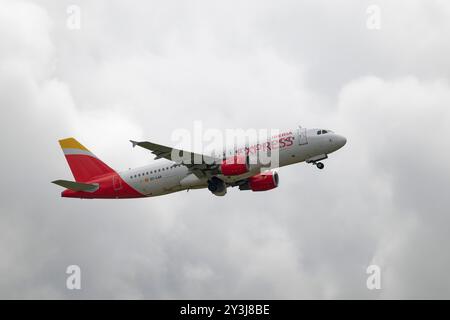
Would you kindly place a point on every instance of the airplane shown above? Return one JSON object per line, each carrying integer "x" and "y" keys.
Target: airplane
{"x": 96, "y": 180}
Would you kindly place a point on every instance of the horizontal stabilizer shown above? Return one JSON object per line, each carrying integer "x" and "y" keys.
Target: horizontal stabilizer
{"x": 76, "y": 186}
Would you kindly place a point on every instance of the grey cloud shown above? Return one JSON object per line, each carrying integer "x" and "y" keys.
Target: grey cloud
{"x": 143, "y": 70}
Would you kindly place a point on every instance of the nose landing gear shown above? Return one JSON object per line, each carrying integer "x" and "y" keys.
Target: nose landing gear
{"x": 316, "y": 161}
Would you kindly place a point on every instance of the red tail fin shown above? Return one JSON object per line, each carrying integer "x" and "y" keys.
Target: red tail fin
{"x": 83, "y": 163}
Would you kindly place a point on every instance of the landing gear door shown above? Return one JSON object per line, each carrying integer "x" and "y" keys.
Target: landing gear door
{"x": 302, "y": 136}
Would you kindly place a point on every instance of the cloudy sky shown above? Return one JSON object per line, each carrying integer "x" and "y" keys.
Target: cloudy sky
{"x": 142, "y": 69}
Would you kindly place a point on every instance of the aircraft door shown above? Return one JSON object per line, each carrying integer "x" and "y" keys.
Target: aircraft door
{"x": 303, "y": 139}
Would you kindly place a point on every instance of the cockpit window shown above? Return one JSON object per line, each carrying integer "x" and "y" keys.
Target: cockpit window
{"x": 319, "y": 132}
{"x": 324, "y": 131}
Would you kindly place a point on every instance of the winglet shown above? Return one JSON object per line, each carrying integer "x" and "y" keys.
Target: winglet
{"x": 134, "y": 143}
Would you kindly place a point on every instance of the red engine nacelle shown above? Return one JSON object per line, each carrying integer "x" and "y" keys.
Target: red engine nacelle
{"x": 235, "y": 166}
{"x": 263, "y": 181}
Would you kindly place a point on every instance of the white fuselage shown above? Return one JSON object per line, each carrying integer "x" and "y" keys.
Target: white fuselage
{"x": 297, "y": 145}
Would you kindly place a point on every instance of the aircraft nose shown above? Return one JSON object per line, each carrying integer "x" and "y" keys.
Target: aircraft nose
{"x": 340, "y": 141}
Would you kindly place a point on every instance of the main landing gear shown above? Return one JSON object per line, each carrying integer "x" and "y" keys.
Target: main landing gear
{"x": 217, "y": 186}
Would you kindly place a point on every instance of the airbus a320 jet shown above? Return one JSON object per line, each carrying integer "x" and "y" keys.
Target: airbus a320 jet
{"x": 96, "y": 180}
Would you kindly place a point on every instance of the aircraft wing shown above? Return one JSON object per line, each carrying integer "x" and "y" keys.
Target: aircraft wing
{"x": 194, "y": 161}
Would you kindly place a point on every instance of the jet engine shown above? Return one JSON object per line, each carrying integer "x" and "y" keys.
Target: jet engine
{"x": 235, "y": 166}
{"x": 262, "y": 182}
